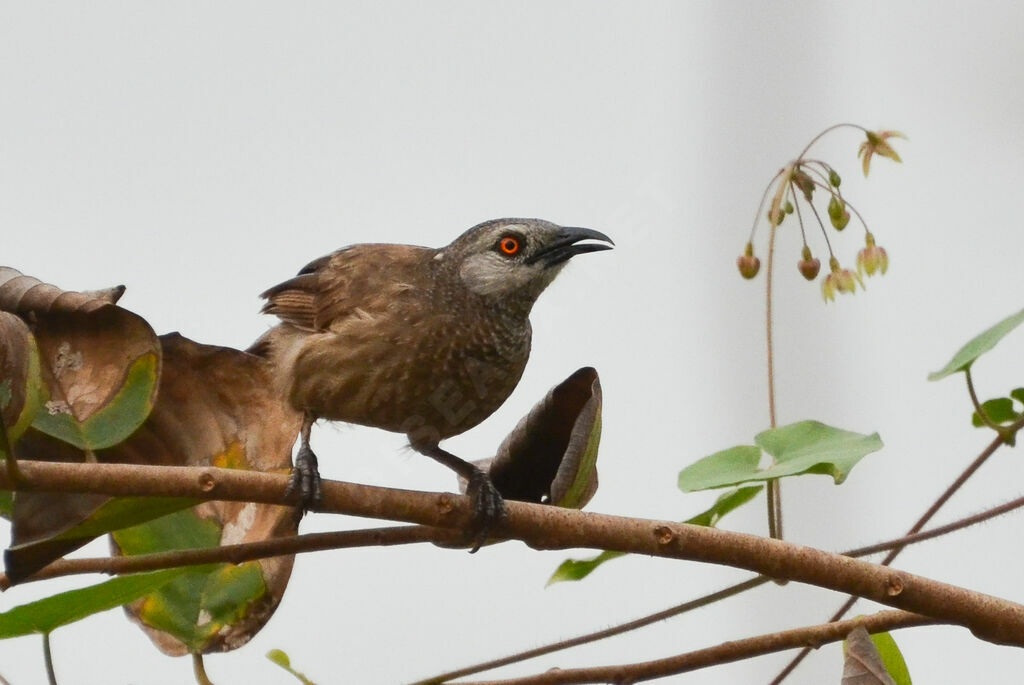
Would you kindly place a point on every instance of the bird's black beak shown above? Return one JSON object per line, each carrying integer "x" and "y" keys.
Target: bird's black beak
{"x": 566, "y": 245}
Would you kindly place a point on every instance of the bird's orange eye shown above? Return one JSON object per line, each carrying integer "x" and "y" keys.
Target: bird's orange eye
{"x": 509, "y": 245}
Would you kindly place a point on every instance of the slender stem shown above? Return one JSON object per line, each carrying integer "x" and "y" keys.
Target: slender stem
{"x": 200, "y": 669}
{"x": 764, "y": 196}
{"x": 821, "y": 135}
{"x": 773, "y": 491}
{"x": 726, "y": 652}
{"x": 48, "y": 658}
{"x": 4, "y": 681}
{"x": 824, "y": 232}
{"x": 982, "y": 414}
{"x": 724, "y": 593}
{"x": 799, "y": 217}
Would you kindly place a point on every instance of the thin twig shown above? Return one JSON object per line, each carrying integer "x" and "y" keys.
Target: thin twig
{"x": 600, "y": 634}
{"x": 727, "y": 652}
{"x": 245, "y": 551}
{"x": 960, "y": 524}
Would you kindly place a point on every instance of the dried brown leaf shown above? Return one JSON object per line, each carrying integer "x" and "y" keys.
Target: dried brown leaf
{"x": 550, "y": 456}
{"x": 218, "y": 407}
{"x": 20, "y": 389}
{"x": 22, "y": 295}
{"x": 863, "y": 664}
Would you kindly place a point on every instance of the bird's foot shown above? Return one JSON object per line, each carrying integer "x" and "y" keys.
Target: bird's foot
{"x": 488, "y": 507}
{"x": 305, "y": 480}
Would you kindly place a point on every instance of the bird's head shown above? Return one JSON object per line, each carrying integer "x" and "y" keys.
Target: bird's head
{"x": 518, "y": 258}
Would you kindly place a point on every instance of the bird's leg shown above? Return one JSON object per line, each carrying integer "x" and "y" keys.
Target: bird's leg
{"x": 305, "y": 478}
{"x": 488, "y": 505}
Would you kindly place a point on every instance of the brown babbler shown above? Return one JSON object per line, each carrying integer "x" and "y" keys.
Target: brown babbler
{"x": 421, "y": 341}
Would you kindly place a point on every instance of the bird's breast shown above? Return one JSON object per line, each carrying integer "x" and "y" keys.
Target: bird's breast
{"x": 429, "y": 377}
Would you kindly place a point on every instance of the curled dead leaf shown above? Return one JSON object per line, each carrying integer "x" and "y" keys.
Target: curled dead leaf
{"x": 20, "y": 382}
{"x": 862, "y": 664}
{"x": 22, "y": 295}
{"x": 217, "y": 407}
{"x": 551, "y": 454}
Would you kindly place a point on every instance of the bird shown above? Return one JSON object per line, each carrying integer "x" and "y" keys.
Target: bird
{"x": 426, "y": 342}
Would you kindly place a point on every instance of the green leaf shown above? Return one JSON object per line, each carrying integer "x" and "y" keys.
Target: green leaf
{"x": 799, "y": 448}
{"x": 282, "y": 660}
{"x": 118, "y": 418}
{"x": 892, "y": 658}
{"x": 730, "y": 501}
{"x": 578, "y": 569}
{"x": 1018, "y": 394}
{"x": 967, "y": 355}
{"x": 814, "y": 447}
{"x": 47, "y": 614}
{"x": 205, "y": 600}
{"x": 721, "y": 468}
{"x": 999, "y": 410}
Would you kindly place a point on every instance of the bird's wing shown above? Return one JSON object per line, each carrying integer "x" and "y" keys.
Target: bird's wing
{"x": 358, "y": 281}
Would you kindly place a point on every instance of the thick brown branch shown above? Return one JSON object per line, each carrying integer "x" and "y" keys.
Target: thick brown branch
{"x": 726, "y": 652}
{"x": 544, "y": 527}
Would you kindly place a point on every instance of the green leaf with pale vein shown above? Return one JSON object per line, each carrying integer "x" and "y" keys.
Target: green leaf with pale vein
{"x": 806, "y": 447}
{"x": 978, "y": 346}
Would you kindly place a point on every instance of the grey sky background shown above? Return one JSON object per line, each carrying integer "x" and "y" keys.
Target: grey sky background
{"x": 201, "y": 152}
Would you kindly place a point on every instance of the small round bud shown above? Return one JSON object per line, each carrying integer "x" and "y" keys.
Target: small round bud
{"x": 748, "y": 265}
{"x": 841, "y": 221}
{"x": 833, "y": 178}
{"x": 837, "y": 213}
{"x": 776, "y": 218}
{"x": 788, "y": 207}
{"x": 809, "y": 268}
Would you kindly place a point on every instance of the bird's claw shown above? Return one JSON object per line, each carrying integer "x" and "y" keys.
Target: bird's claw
{"x": 488, "y": 507}
{"x": 305, "y": 480}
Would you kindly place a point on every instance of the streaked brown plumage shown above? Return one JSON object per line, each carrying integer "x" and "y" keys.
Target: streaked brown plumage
{"x": 425, "y": 342}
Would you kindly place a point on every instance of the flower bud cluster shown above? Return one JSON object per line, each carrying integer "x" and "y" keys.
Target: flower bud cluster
{"x": 799, "y": 181}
